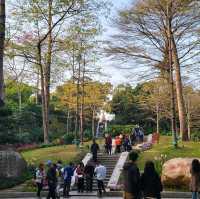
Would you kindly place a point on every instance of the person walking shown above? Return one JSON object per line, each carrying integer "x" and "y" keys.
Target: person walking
{"x": 195, "y": 179}
{"x": 51, "y": 180}
{"x": 94, "y": 150}
{"x": 100, "y": 172}
{"x": 118, "y": 144}
{"x": 59, "y": 170}
{"x": 131, "y": 176}
{"x": 108, "y": 144}
{"x": 151, "y": 185}
{"x": 126, "y": 144}
{"x": 67, "y": 174}
{"x": 137, "y": 133}
{"x": 39, "y": 178}
{"x": 89, "y": 174}
{"x": 80, "y": 176}
{"x": 141, "y": 135}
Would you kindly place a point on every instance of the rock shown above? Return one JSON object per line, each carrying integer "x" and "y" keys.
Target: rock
{"x": 12, "y": 165}
{"x": 176, "y": 172}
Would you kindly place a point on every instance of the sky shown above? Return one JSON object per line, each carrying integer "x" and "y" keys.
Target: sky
{"x": 113, "y": 74}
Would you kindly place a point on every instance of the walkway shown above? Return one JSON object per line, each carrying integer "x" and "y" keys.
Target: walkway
{"x": 82, "y": 197}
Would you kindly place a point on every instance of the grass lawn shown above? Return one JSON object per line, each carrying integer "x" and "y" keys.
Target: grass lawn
{"x": 185, "y": 149}
{"x": 65, "y": 153}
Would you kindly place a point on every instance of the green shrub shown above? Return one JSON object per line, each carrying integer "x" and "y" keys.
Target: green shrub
{"x": 115, "y": 130}
{"x": 87, "y": 135}
{"x": 195, "y": 136}
{"x": 68, "y": 138}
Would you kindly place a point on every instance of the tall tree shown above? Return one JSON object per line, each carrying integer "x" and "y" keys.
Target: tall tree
{"x": 2, "y": 38}
{"x": 38, "y": 46}
{"x": 144, "y": 35}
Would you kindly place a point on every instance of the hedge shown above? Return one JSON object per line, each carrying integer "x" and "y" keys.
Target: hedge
{"x": 115, "y": 130}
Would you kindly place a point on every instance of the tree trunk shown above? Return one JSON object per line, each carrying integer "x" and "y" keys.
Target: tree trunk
{"x": 171, "y": 79}
{"x": 81, "y": 124}
{"x": 68, "y": 121}
{"x": 44, "y": 106}
{"x": 19, "y": 99}
{"x": 189, "y": 118}
{"x": 179, "y": 93}
{"x": 2, "y": 38}
{"x": 82, "y": 101}
{"x": 37, "y": 87}
{"x": 93, "y": 122}
{"x": 157, "y": 119}
{"x": 77, "y": 99}
{"x": 45, "y": 77}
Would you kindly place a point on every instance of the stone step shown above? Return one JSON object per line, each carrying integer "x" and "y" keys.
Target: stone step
{"x": 85, "y": 195}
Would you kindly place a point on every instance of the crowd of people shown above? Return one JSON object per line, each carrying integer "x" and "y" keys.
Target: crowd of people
{"x": 124, "y": 142}
{"x": 136, "y": 185}
{"x": 148, "y": 184}
{"x": 59, "y": 177}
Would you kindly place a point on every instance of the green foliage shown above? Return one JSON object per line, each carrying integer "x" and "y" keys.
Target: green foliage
{"x": 87, "y": 134}
{"x": 7, "y": 124}
{"x": 130, "y": 106}
{"x": 115, "y": 130}
{"x": 68, "y": 138}
{"x": 159, "y": 162}
{"x": 13, "y": 89}
{"x": 195, "y": 136}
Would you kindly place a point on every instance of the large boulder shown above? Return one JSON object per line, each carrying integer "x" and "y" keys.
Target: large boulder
{"x": 176, "y": 172}
{"x": 12, "y": 165}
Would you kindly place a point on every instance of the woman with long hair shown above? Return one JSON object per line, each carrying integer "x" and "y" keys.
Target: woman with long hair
{"x": 195, "y": 179}
{"x": 151, "y": 185}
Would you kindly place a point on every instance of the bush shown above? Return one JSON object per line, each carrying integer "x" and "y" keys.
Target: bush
{"x": 68, "y": 138}
{"x": 195, "y": 136}
{"x": 87, "y": 135}
{"x": 115, "y": 130}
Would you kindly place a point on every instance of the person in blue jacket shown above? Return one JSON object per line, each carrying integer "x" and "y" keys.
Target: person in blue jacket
{"x": 67, "y": 174}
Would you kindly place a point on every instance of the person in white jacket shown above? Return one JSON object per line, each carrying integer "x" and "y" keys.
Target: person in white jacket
{"x": 100, "y": 172}
{"x": 40, "y": 176}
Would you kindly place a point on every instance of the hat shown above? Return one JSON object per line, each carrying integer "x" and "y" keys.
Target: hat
{"x": 49, "y": 162}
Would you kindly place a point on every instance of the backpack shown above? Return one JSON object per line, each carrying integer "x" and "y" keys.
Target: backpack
{"x": 35, "y": 174}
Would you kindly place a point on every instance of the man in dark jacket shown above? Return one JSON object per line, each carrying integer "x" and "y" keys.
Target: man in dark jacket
{"x": 108, "y": 144}
{"x": 131, "y": 178}
{"x": 94, "y": 150}
{"x": 89, "y": 174}
{"x": 52, "y": 180}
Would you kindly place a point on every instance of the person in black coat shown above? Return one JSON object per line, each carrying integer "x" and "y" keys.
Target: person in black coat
{"x": 131, "y": 176}
{"x": 94, "y": 150}
{"x": 151, "y": 185}
{"x": 52, "y": 180}
{"x": 89, "y": 174}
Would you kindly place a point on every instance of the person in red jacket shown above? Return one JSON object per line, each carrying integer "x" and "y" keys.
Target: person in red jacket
{"x": 118, "y": 144}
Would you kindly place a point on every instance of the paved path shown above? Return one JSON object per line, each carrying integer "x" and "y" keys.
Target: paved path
{"x": 80, "y": 197}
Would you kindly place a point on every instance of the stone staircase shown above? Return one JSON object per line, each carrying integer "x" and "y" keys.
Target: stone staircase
{"x": 109, "y": 161}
